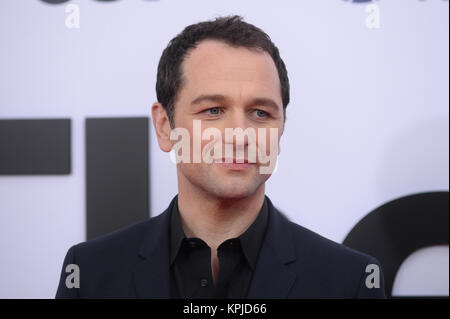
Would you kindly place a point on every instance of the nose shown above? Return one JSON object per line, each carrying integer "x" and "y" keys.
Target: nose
{"x": 236, "y": 123}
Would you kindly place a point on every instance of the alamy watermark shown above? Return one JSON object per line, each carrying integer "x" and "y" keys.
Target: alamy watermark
{"x": 373, "y": 277}
{"x": 73, "y": 18}
{"x": 221, "y": 150}
{"x": 73, "y": 279}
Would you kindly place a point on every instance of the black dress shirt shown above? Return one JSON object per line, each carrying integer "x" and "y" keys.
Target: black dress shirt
{"x": 190, "y": 261}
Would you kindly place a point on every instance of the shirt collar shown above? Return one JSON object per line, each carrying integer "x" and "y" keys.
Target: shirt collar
{"x": 250, "y": 240}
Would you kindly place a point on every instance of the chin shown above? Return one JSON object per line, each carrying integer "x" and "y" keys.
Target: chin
{"x": 224, "y": 187}
{"x": 233, "y": 194}
{"x": 232, "y": 191}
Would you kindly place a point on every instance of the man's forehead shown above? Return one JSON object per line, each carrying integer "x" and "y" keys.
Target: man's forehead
{"x": 218, "y": 60}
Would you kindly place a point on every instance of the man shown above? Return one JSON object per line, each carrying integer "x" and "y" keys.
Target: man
{"x": 220, "y": 237}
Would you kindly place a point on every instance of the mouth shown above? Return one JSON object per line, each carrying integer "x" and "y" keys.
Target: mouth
{"x": 233, "y": 164}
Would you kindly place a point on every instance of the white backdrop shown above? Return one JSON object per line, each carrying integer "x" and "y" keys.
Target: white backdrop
{"x": 368, "y": 120}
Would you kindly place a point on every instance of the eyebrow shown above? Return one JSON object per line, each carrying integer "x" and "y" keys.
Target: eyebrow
{"x": 209, "y": 98}
{"x": 262, "y": 101}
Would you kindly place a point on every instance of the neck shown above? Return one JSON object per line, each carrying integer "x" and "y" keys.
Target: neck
{"x": 215, "y": 219}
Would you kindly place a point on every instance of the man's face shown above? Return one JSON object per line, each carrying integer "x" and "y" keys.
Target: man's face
{"x": 228, "y": 87}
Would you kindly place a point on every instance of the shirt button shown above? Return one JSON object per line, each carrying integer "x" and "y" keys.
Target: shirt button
{"x": 204, "y": 282}
{"x": 192, "y": 244}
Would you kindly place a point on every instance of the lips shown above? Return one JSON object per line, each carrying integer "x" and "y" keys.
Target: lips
{"x": 230, "y": 161}
{"x": 233, "y": 165}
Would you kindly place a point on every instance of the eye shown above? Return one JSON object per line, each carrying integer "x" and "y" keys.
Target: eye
{"x": 214, "y": 111}
{"x": 261, "y": 113}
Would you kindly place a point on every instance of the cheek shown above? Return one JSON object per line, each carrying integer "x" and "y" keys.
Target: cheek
{"x": 270, "y": 141}
{"x": 193, "y": 171}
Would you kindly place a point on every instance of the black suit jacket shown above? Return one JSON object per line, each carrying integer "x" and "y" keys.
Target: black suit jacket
{"x": 293, "y": 262}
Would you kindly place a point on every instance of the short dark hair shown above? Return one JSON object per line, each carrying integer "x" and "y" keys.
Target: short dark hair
{"x": 230, "y": 29}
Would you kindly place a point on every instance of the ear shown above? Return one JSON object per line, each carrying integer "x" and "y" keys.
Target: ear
{"x": 162, "y": 126}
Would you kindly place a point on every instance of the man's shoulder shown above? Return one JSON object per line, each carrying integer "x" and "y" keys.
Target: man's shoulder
{"x": 107, "y": 262}
{"x": 119, "y": 244}
{"x": 311, "y": 247}
{"x": 310, "y": 243}
{"x": 330, "y": 269}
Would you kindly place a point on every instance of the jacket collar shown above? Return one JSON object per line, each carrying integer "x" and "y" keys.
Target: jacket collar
{"x": 272, "y": 278}
{"x": 151, "y": 275}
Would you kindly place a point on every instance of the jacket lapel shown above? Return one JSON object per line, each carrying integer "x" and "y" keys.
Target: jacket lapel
{"x": 151, "y": 276}
{"x": 272, "y": 278}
